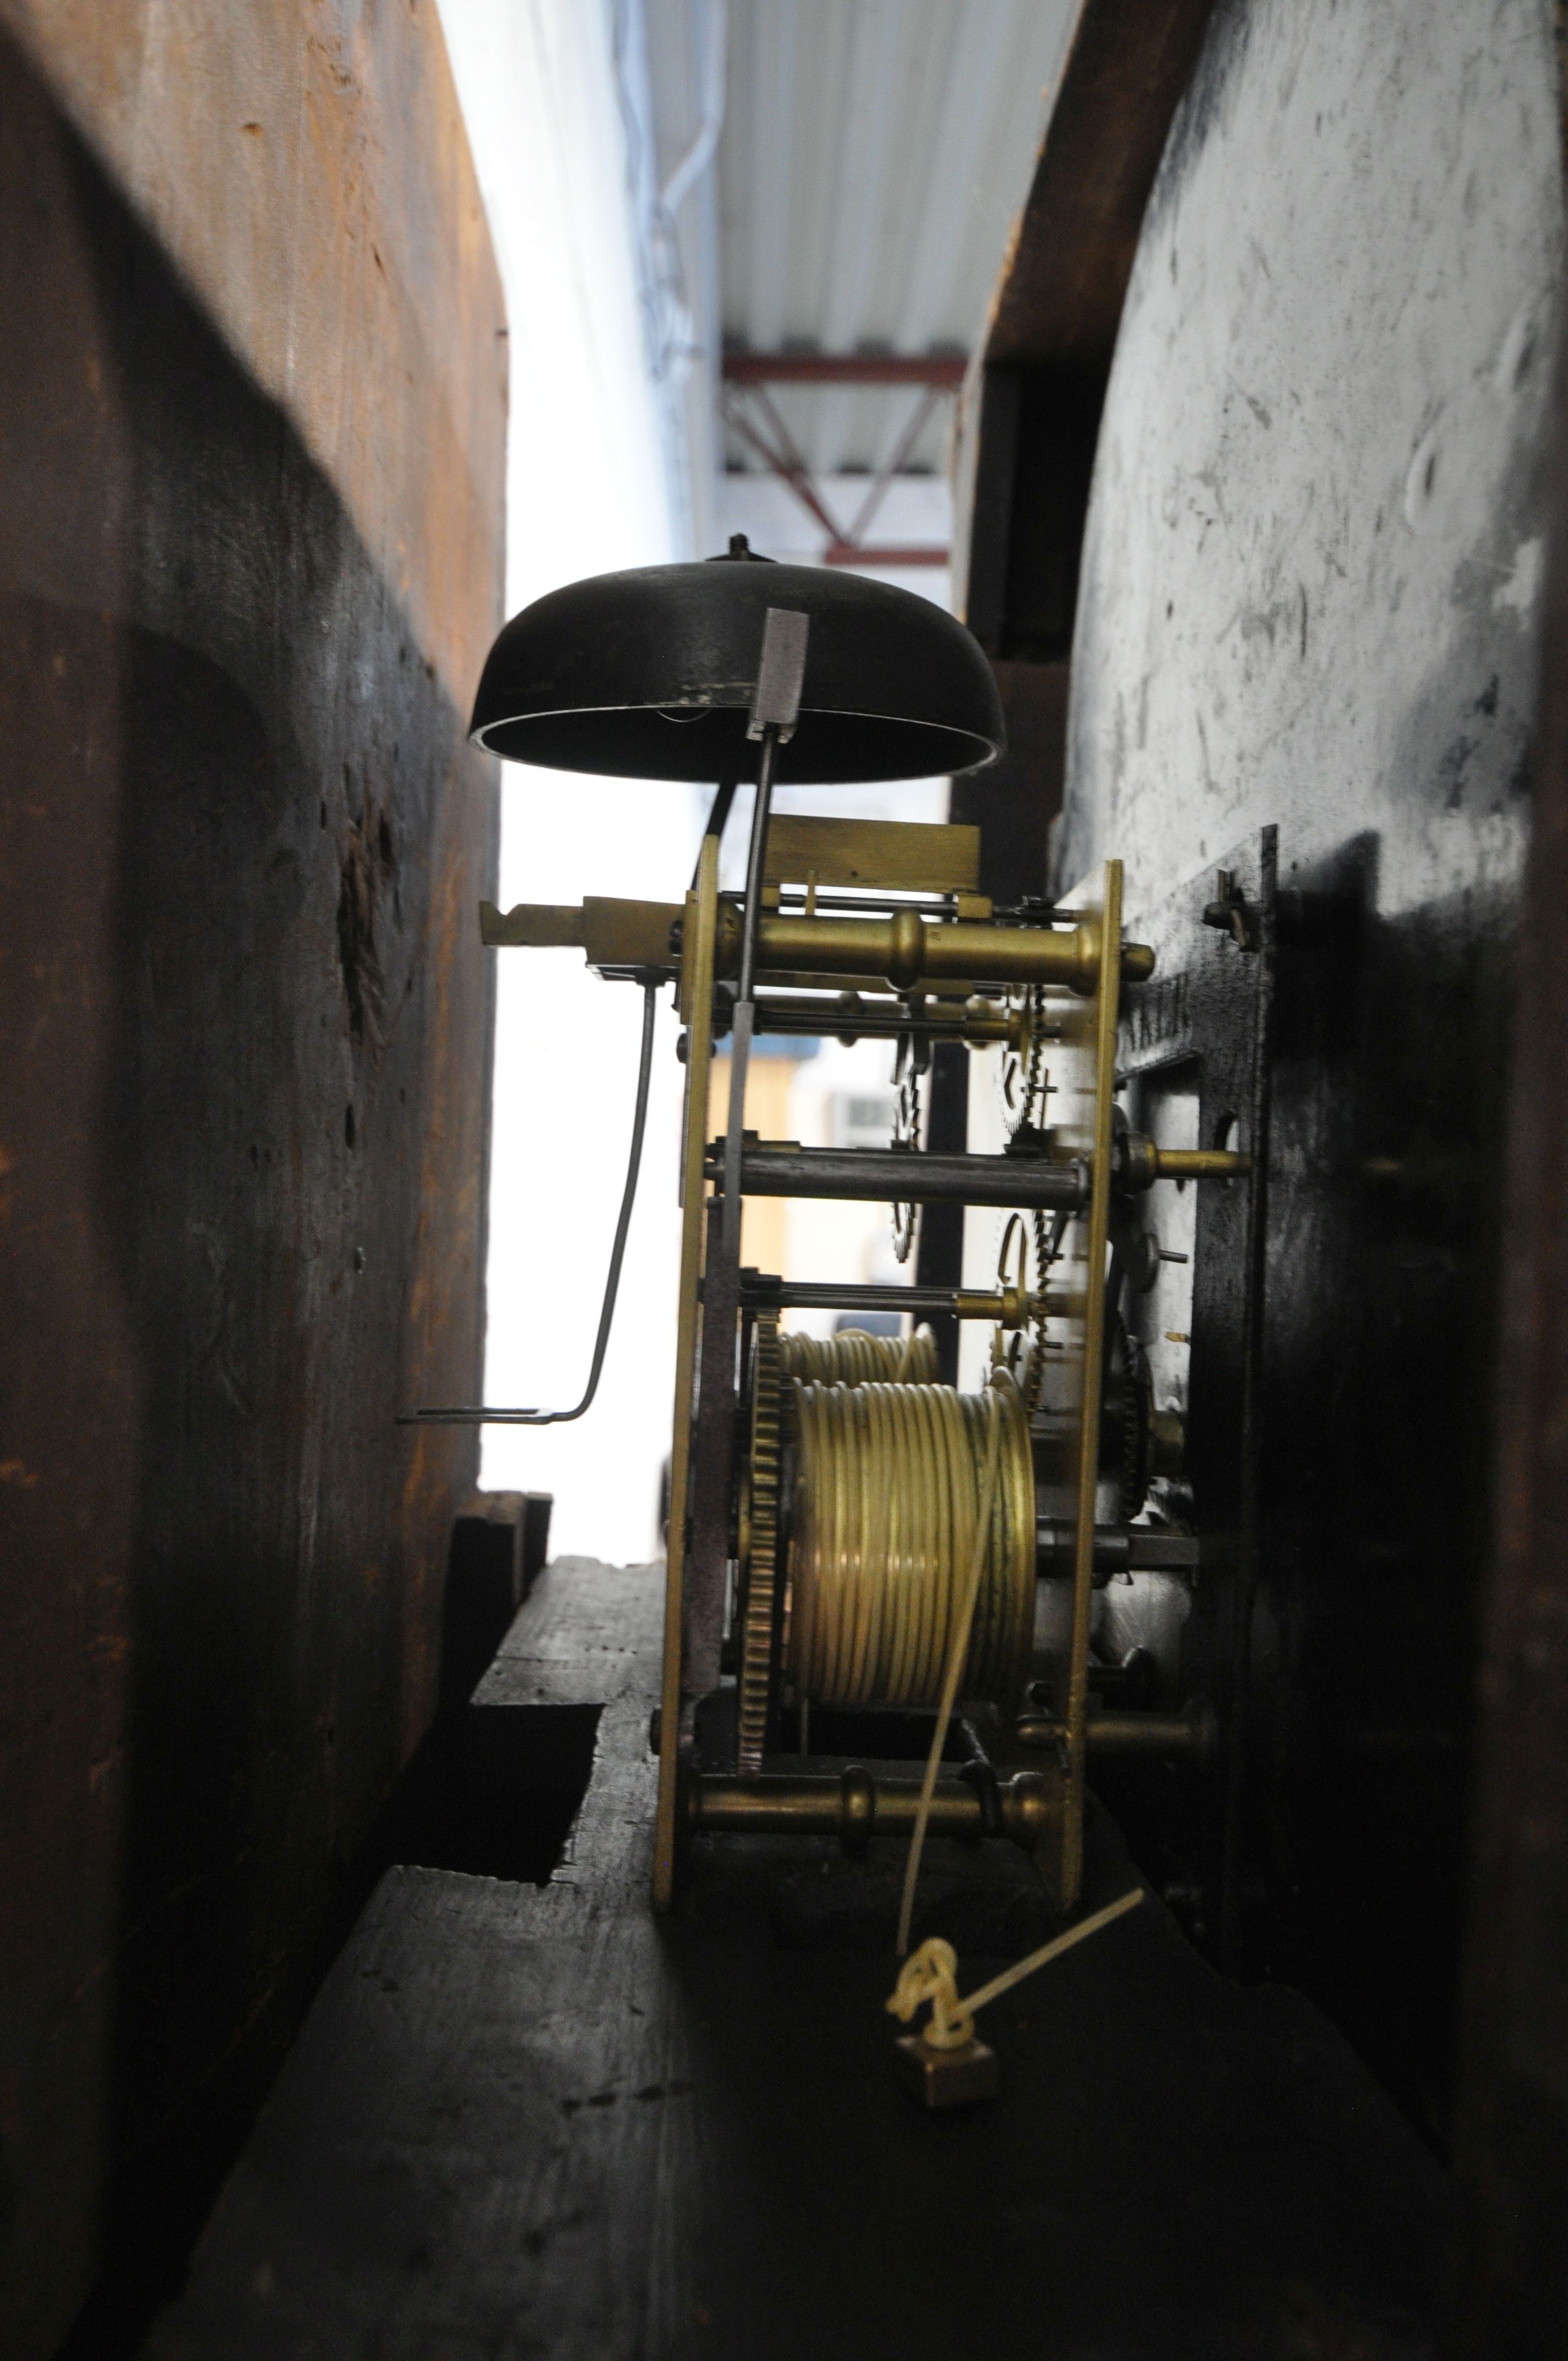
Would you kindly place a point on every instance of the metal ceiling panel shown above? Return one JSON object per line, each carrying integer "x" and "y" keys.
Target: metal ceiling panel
{"x": 873, "y": 158}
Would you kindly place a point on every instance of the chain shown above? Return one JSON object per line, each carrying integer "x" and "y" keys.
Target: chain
{"x": 1044, "y": 1254}
{"x": 1034, "y": 1385}
{"x": 905, "y": 1134}
{"x": 1033, "y": 1076}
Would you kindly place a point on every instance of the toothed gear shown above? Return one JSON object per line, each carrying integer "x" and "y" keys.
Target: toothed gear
{"x": 758, "y": 1569}
{"x": 1022, "y": 1076}
{"x": 1134, "y": 1389}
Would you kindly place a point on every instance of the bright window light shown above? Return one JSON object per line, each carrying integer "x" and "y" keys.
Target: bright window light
{"x": 587, "y": 491}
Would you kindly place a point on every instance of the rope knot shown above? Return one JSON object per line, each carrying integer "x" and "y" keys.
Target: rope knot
{"x": 931, "y": 1974}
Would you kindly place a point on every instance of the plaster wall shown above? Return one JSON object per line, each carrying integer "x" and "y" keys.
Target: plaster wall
{"x": 1309, "y": 594}
{"x": 1315, "y": 539}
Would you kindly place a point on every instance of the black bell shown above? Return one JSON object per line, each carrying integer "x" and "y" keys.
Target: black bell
{"x": 649, "y": 674}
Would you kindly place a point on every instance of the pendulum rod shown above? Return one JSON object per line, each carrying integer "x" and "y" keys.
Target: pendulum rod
{"x": 775, "y": 709}
{"x": 744, "y": 1019}
{"x": 697, "y": 981}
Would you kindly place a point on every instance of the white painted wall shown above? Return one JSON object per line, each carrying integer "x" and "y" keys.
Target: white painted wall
{"x": 588, "y": 492}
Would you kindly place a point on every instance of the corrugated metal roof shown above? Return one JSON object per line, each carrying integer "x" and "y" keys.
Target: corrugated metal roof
{"x": 873, "y": 156}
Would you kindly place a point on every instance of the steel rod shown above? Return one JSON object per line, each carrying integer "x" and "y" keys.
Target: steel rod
{"x": 842, "y": 1020}
{"x": 1118, "y": 1549}
{"x": 484, "y": 1414}
{"x": 905, "y": 1176}
{"x": 842, "y": 1295}
{"x": 1192, "y": 1735}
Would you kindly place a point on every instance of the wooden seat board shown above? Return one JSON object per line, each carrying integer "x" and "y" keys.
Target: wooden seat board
{"x": 537, "y": 2121}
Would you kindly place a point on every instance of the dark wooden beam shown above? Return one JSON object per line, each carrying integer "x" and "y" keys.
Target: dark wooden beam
{"x": 245, "y": 1029}
{"x": 1031, "y": 406}
{"x": 1060, "y": 303}
{"x": 943, "y": 370}
{"x": 916, "y": 553}
{"x": 1510, "y": 2277}
{"x": 1029, "y": 416}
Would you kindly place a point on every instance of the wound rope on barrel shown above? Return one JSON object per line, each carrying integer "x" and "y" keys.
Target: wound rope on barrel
{"x": 957, "y": 1650}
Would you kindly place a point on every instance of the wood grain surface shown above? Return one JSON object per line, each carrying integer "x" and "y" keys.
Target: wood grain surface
{"x": 531, "y": 2122}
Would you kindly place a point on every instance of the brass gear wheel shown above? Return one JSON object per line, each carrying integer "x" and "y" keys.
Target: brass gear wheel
{"x": 759, "y": 1566}
{"x": 1023, "y": 1074}
{"x": 1137, "y": 1424}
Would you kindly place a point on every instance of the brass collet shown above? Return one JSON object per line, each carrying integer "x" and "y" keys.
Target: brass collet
{"x": 905, "y": 949}
{"x": 855, "y": 1805}
{"x": 1140, "y": 1163}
